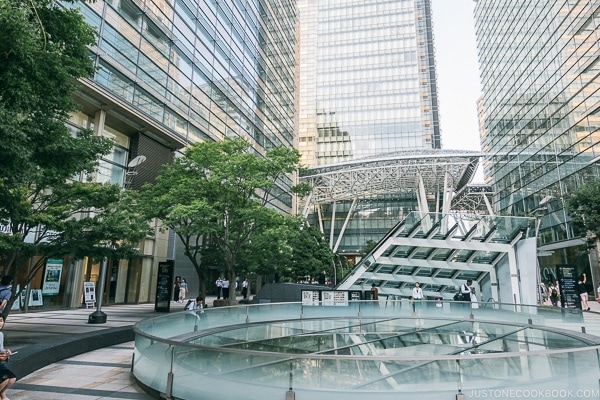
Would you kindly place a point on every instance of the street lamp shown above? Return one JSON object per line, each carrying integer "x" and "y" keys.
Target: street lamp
{"x": 98, "y": 317}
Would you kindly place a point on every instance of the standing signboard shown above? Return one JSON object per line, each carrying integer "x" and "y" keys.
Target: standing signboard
{"x": 340, "y": 298}
{"x": 89, "y": 291}
{"x": 310, "y": 297}
{"x": 327, "y": 298}
{"x": 355, "y": 295}
{"x": 164, "y": 286}
{"x": 567, "y": 282}
{"x": 569, "y": 298}
{"x": 52, "y": 275}
{"x": 35, "y": 299}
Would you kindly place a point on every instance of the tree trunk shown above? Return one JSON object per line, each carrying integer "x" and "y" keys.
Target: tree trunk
{"x": 231, "y": 275}
{"x": 202, "y": 284}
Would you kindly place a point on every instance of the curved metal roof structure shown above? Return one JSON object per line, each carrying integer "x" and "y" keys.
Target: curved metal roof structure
{"x": 474, "y": 198}
{"x": 431, "y": 170}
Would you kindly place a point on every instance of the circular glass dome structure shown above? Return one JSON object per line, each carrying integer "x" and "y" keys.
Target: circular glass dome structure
{"x": 366, "y": 351}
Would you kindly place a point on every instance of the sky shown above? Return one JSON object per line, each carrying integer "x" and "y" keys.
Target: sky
{"x": 457, "y": 72}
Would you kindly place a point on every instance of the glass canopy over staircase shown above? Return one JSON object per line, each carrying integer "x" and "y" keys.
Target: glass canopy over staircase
{"x": 442, "y": 251}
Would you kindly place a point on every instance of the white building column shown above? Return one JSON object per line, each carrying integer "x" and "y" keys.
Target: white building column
{"x": 341, "y": 235}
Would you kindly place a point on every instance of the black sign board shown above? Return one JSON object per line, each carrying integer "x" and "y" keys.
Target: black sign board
{"x": 568, "y": 287}
{"x": 355, "y": 295}
{"x": 164, "y": 286}
{"x": 569, "y": 298}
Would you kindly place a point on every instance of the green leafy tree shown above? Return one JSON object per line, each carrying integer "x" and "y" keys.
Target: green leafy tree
{"x": 219, "y": 192}
{"x": 367, "y": 248}
{"x": 311, "y": 254}
{"x": 289, "y": 249}
{"x": 43, "y": 213}
{"x": 583, "y": 206}
{"x": 343, "y": 267}
{"x": 269, "y": 252}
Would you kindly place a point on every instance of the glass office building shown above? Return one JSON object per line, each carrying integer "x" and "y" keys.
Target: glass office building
{"x": 367, "y": 89}
{"x": 171, "y": 73}
{"x": 540, "y": 113}
{"x": 367, "y": 82}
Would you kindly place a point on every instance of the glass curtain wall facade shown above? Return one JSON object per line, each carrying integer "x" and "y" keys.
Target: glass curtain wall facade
{"x": 367, "y": 86}
{"x": 540, "y": 113}
{"x": 367, "y": 82}
{"x": 171, "y": 73}
{"x": 202, "y": 70}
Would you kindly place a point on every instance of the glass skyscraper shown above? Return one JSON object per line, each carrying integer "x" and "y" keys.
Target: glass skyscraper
{"x": 540, "y": 114}
{"x": 367, "y": 90}
{"x": 198, "y": 70}
{"x": 171, "y": 73}
{"x": 367, "y": 82}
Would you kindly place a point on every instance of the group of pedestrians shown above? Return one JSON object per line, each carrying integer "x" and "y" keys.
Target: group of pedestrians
{"x": 180, "y": 290}
{"x": 550, "y": 294}
{"x": 467, "y": 293}
{"x": 223, "y": 286}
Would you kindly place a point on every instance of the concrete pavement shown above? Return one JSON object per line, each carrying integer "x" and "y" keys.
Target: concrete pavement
{"x": 99, "y": 374}
{"x": 62, "y": 356}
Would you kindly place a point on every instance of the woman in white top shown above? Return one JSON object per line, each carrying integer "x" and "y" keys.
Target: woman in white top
{"x": 474, "y": 300}
{"x": 183, "y": 286}
{"x": 417, "y": 295}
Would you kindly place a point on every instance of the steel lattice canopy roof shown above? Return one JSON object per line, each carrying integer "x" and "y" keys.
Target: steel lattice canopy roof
{"x": 471, "y": 198}
{"x": 393, "y": 173}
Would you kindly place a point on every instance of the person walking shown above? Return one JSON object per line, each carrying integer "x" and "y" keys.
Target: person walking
{"x": 183, "y": 289}
{"x": 176, "y": 289}
{"x": 219, "y": 284}
{"x": 560, "y": 298}
{"x": 225, "y": 285}
{"x": 465, "y": 290}
{"x": 554, "y": 295}
{"x": 245, "y": 288}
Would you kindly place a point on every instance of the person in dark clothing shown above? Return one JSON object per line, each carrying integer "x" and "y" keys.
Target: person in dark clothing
{"x": 554, "y": 295}
{"x": 176, "y": 288}
{"x": 582, "y": 292}
{"x": 375, "y": 291}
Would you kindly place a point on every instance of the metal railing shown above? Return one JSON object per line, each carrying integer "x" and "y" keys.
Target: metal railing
{"x": 366, "y": 350}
